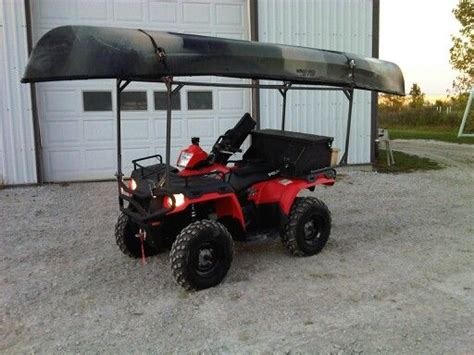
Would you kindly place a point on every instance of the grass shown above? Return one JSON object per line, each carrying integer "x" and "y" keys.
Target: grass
{"x": 436, "y": 133}
{"x": 404, "y": 163}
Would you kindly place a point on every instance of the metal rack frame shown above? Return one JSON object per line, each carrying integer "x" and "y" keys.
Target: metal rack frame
{"x": 173, "y": 87}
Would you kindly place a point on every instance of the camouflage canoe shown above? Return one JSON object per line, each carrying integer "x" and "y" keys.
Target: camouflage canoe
{"x": 86, "y": 52}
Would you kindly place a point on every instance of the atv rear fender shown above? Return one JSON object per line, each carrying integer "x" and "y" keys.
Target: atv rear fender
{"x": 284, "y": 190}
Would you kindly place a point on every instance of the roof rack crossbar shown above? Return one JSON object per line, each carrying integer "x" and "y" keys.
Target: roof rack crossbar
{"x": 292, "y": 85}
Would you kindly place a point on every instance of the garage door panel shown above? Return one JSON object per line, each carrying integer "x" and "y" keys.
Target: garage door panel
{"x": 79, "y": 137}
{"x": 196, "y": 13}
{"x": 128, "y": 10}
{"x": 229, "y": 14}
{"x": 163, "y": 12}
{"x": 92, "y": 10}
{"x": 65, "y": 161}
{"x": 61, "y": 132}
{"x": 55, "y": 10}
{"x": 202, "y": 127}
{"x": 232, "y": 100}
{"x": 59, "y": 102}
{"x": 178, "y": 131}
{"x": 135, "y": 129}
{"x": 100, "y": 159}
{"x": 99, "y": 131}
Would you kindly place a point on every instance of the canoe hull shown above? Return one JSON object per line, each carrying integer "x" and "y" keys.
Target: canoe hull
{"x": 87, "y": 52}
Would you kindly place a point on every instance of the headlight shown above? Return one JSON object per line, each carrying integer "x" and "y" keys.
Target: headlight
{"x": 184, "y": 159}
{"x": 132, "y": 184}
{"x": 179, "y": 199}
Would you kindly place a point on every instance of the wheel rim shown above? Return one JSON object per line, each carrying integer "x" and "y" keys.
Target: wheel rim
{"x": 207, "y": 259}
{"x": 312, "y": 229}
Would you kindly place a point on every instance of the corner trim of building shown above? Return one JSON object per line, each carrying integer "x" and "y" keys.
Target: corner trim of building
{"x": 34, "y": 106}
{"x": 374, "y": 95}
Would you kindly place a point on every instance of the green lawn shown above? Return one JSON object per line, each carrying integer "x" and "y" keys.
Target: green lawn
{"x": 404, "y": 163}
{"x": 439, "y": 134}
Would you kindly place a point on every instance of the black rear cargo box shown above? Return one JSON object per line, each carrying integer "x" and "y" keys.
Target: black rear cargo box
{"x": 295, "y": 154}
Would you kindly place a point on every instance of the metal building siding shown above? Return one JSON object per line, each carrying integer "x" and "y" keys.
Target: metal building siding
{"x": 343, "y": 25}
{"x": 17, "y": 149}
{"x": 2, "y": 111}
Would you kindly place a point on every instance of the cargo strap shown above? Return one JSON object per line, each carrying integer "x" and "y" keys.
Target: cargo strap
{"x": 142, "y": 236}
{"x": 160, "y": 52}
{"x": 352, "y": 64}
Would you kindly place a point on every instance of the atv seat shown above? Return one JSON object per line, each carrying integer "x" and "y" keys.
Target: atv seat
{"x": 246, "y": 174}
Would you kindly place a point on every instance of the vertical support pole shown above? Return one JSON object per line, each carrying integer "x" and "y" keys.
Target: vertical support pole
{"x": 283, "y": 92}
{"x": 256, "y": 103}
{"x": 118, "y": 91}
{"x": 283, "y": 111}
{"x": 169, "y": 93}
{"x": 34, "y": 103}
{"x": 119, "y": 174}
{"x": 374, "y": 147}
{"x": 253, "y": 22}
{"x": 350, "y": 96}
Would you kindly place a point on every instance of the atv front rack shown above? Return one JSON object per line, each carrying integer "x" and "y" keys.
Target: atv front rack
{"x": 147, "y": 169}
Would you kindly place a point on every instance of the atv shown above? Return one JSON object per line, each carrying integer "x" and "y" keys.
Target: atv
{"x": 212, "y": 200}
{"x": 198, "y": 207}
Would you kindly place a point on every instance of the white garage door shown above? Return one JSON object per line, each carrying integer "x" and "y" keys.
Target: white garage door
{"x": 77, "y": 118}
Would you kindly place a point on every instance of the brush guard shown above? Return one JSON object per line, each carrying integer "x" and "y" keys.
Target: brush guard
{"x": 143, "y": 216}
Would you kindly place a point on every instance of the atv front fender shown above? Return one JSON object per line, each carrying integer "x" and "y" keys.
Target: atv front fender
{"x": 224, "y": 204}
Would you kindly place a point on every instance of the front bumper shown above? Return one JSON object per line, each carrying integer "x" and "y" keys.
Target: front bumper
{"x": 146, "y": 212}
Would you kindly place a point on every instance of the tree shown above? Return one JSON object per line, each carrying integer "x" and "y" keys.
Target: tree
{"x": 417, "y": 97}
{"x": 440, "y": 103}
{"x": 393, "y": 102}
{"x": 459, "y": 102}
{"x": 462, "y": 51}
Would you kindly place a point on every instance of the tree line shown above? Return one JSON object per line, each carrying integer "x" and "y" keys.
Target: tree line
{"x": 414, "y": 110}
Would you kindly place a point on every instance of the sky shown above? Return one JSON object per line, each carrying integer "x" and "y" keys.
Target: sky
{"x": 416, "y": 34}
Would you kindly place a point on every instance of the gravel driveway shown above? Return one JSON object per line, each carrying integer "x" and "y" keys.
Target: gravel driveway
{"x": 396, "y": 276}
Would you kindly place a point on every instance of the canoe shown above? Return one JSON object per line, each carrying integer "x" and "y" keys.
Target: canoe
{"x": 89, "y": 52}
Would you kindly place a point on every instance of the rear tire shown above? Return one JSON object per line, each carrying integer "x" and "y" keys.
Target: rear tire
{"x": 308, "y": 227}
{"x": 129, "y": 244}
{"x": 201, "y": 255}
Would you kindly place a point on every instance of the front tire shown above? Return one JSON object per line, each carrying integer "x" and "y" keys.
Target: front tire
{"x": 128, "y": 243}
{"x": 308, "y": 227}
{"x": 201, "y": 255}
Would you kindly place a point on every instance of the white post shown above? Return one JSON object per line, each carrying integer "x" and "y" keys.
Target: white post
{"x": 464, "y": 118}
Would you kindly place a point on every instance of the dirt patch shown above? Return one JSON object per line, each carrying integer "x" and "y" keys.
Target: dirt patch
{"x": 396, "y": 276}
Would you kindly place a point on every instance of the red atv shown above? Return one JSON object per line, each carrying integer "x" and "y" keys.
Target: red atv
{"x": 211, "y": 200}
